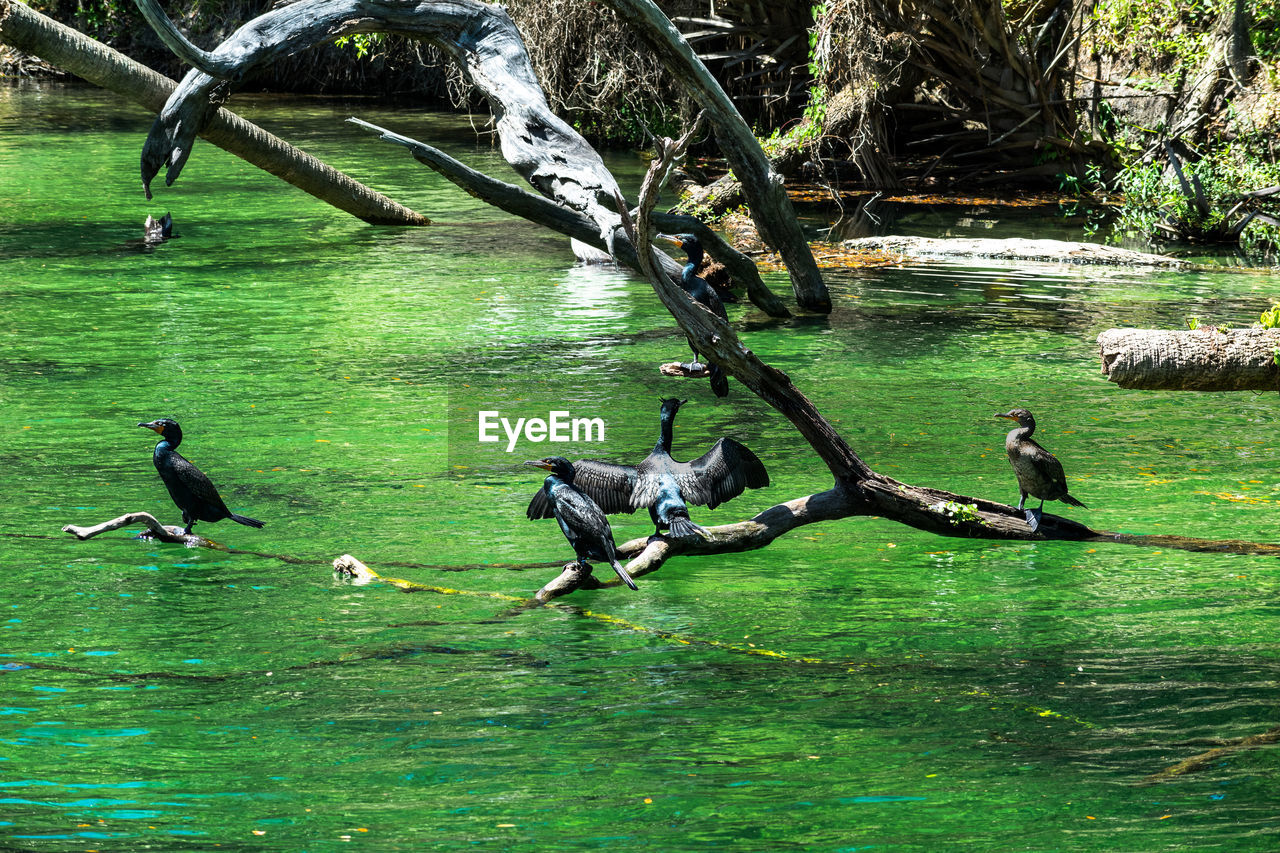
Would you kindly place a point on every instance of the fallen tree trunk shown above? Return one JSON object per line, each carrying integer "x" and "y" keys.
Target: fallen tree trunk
{"x": 576, "y": 226}
{"x": 1013, "y": 249}
{"x": 1201, "y": 360}
{"x": 31, "y": 32}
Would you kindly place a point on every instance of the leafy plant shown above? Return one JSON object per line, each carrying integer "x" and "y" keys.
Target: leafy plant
{"x": 957, "y": 512}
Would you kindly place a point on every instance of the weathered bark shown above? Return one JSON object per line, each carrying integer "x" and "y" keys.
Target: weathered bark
{"x": 162, "y": 532}
{"x": 1200, "y": 360}
{"x": 1015, "y": 249}
{"x": 763, "y": 187}
{"x": 575, "y": 225}
{"x": 31, "y": 32}
{"x": 480, "y": 38}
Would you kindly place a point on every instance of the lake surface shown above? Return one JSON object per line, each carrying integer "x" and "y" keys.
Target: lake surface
{"x": 856, "y": 686}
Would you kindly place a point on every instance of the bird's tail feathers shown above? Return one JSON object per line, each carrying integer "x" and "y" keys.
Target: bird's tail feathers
{"x": 719, "y": 382}
{"x": 246, "y": 520}
{"x": 682, "y": 526}
{"x": 622, "y": 573}
{"x": 1067, "y": 499}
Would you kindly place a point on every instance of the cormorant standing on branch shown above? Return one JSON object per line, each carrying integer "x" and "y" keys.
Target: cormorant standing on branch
{"x": 190, "y": 489}
{"x": 1039, "y": 471}
{"x": 583, "y": 523}
{"x": 705, "y": 295}
{"x": 667, "y": 487}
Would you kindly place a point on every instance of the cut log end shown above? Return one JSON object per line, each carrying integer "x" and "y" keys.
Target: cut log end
{"x": 1201, "y": 360}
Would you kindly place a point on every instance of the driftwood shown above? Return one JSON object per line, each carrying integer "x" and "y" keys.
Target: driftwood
{"x": 31, "y": 32}
{"x": 1201, "y": 360}
{"x": 155, "y": 530}
{"x": 1014, "y": 249}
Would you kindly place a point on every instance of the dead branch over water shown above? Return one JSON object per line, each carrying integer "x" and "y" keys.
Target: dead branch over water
{"x": 29, "y": 31}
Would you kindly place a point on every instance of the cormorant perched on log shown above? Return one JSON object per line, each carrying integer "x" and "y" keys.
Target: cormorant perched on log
{"x": 583, "y": 523}
{"x": 1039, "y": 471}
{"x": 705, "y": 295}
{"x": 664, "y": 486}
{"x": 190, "y": 489}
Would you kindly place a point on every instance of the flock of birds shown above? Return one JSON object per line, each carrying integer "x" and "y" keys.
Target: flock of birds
{"x": 581, "y": 495}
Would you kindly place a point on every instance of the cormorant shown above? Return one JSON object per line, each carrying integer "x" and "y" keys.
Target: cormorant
{"x": 664, "y": 486}
{"x": 705, "y": 295}
{"x": 583, "y": 523}
{"x": 190, "y": 489}
{"x": 1039, "y": 471}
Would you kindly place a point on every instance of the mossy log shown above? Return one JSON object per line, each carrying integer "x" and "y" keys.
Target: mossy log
{"x": 1200, "y": 360}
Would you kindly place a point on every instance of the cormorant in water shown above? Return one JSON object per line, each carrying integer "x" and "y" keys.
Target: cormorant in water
{"x": 705, "y": 295}
{"x": 1039, "y": 471}
{"x": 667, "y": 487}
{"x": 583, "y": 523}
{"x": 190, "y": 489}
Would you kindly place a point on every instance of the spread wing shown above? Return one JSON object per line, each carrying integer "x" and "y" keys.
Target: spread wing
{"x": 607, "y": 484}
{"x": 721, "y": 474}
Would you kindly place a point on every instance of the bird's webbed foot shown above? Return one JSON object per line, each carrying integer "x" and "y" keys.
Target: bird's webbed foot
{"x": 1033, "y": 519}
{"x": 694, "y": 366}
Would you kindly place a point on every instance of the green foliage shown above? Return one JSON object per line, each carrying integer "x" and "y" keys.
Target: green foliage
{"x": 1171, "y": 35}
{"x": 957, "y": 512}
{"x": 1193, "y": 323}
{"x": 1271, "y": 319}
{"x": 362, "y": 43}
{"x": 804, "y": 132}
{"x": 1153, "y": 195}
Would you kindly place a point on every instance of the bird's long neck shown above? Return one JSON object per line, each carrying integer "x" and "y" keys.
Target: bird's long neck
{"x": 1023, "y": 432}
{"x": 166, "y": 446}
{"x": 666, "y": 422}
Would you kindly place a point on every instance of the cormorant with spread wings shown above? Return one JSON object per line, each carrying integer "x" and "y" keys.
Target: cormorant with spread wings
{"x": 665, "y": 487}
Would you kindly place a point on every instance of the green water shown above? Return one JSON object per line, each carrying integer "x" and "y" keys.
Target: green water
{"x": 918, "y": 693}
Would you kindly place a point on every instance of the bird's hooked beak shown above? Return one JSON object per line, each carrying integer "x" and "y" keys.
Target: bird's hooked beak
{"x": 540, "y": 463}
{"x": 1009, "y": 416}
{"x": 667, "y": 238}
{"x": 154, "y": 426}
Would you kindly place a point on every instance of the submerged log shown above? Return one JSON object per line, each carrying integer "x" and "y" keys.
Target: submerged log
{"x": 33, "y": 33}
{"x": 1200, "y": 360}
{"x": 1012, "y": 249}
{"x": 1202, "y": 761}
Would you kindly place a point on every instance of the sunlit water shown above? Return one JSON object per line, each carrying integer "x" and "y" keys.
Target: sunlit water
{"x": 857, "y": 685}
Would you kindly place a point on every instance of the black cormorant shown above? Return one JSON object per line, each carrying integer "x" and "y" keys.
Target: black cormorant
{"x": 190, "y": 489}
{"x": 664, "y": 486}
{"x": 583, "y": 523}
{"x": 1039, "y": 471}
{"x": 705, "y": 295}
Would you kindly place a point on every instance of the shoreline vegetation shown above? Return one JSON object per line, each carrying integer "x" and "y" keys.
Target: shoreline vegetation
{"x": 1161, "y": 114}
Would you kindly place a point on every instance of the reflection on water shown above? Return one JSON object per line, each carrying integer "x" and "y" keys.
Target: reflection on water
{"x": 856, "y": 684}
